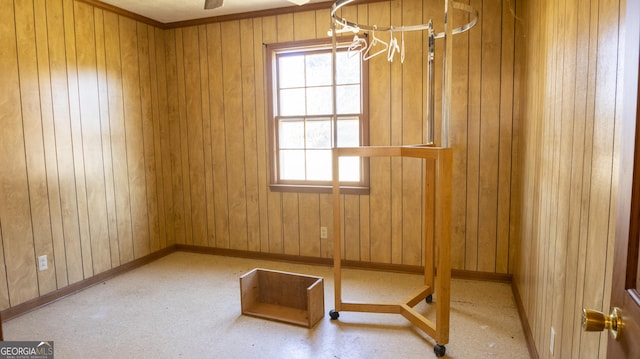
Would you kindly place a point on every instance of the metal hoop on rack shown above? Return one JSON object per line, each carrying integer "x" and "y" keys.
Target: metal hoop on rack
{"x": 447, "y": 65}
{"x": 349, "y": 24}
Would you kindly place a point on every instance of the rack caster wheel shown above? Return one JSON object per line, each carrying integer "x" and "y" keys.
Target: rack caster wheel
{"x": 439, "y": 350}
{"x": 429, "y": 299}
{"x": 333, "y": 314}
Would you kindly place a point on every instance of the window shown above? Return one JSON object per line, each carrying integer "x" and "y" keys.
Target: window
{"x": 302, "y": 126}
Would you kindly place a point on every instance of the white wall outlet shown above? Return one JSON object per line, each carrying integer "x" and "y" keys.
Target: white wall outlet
{"x": 552, "y": 340}
{"x": 323, "y": 232}
{"x": 42, "y": 263}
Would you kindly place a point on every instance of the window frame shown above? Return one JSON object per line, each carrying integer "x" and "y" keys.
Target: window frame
{"x": 305, "y": 186}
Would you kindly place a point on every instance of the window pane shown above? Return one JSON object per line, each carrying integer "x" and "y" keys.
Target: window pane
{"x": 319, "y": 100}
{"x": 348, "y": 132}
{"x": 319, "y": 165}
{"x": 349, "y": 169}
{"x": 347, "y": 68}
{"x": 291, "y": 71}
{"x": 303, "y": 118}
{"x": 292, "y": 102}
{"x": 292, "y": 164}
{"x": 291, "y": 134}
{"x": 318, "y": 69}
{"x": 319, "y": 134}
{"x": 348, "y": 98}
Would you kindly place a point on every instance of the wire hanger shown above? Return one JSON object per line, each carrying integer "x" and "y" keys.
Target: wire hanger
{"x": 343, "y": 29}
{"x": 374, "y": 41}
{"x": 393, "y": 46}
{"x": 358, "y": 45}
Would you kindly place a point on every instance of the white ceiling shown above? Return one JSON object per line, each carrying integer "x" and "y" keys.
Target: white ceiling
{"x": 167, "y": 11}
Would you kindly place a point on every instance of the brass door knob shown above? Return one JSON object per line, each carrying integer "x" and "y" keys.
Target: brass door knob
{"x": 595, "y": 321}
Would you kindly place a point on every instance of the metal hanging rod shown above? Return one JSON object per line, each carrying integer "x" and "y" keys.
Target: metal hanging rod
{"x": 349, "y": 24}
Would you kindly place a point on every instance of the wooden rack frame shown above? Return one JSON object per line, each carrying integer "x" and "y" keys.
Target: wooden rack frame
{"x": 438, "y": 244}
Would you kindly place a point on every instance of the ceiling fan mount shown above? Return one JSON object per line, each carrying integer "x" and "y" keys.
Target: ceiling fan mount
{"x": 214, "y": 4}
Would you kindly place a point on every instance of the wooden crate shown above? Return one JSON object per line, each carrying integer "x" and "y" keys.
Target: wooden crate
{"x": 286, "y": 297}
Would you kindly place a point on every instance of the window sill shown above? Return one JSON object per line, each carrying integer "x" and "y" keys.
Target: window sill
{"x": 318, "y": 189}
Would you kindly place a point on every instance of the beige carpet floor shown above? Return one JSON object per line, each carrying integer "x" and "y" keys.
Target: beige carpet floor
{"x": 187, "y": 305}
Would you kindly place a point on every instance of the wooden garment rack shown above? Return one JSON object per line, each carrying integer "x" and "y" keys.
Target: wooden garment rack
{"x": 436, "y": 241}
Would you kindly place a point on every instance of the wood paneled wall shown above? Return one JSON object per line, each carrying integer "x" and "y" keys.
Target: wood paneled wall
{"x": 119, "y": 139}
{"x": 567, "y": 172}
{"x": 83, "y": 118}
{"x": 215, "y": 76}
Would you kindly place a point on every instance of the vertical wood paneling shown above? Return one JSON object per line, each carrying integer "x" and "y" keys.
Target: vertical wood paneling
{"x": 148, "y": 147}
{"x": 216, "y": 106}
{"x": 183, "y": 123}
{"x": 549, "y": 195}
{"x": 505, "y": 138}
{"x": 76, "y": 134}
{"x": 118, "y": 137}
{"x": 261, "y": 133}
{"x": 304, "y": 25}
{"x": 473, "y": 142}
{"x": 591, "y": 21}
{"x": 396, "y": 133}
{"x": 489, "y": 136}
{"x": 459, "y": 138}
{"x": 164, "y": 139}
{"x": 58, "y": 259}
{"x": 274, "y": 199}
{"x": 76, "y": 137}
{"x": 568, "y": 139}
{"x": 602, "y": 162}
{"x": 309, "y": 207}
{"x": 379, "y": 125}
{"x": 194, "y": 138}
{"x": 175, "y": 158}
{"x": 580, "y": 27}
{"x": 31, "y": 114}
{"x": 234, "y": 134}
{"x": 59, "y": 90}
{"x": 326, "y": 220}
{"x": 92, "y": 139}
{"x": 413, "y": 95}
{"x": 17, "y": 231}
{"x": 158, "y": 236}
{"x": 105, "y": 132}
{"x": 570, "y": 94}
{"x": 351, "y": 220}
{"x": 206, "y": 137}
{"x": 351, "y": 204}
{"x": 290, "y": 224}
{"x": 133, "y": 118}
{"x": 250, "y": 134}
{"x": 364, "y": 206}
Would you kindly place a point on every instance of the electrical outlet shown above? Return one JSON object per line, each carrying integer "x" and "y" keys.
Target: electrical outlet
{"x": 552, "y": 340}
{"x": 42, "y": 263}
{"x": 323, "y": 232}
